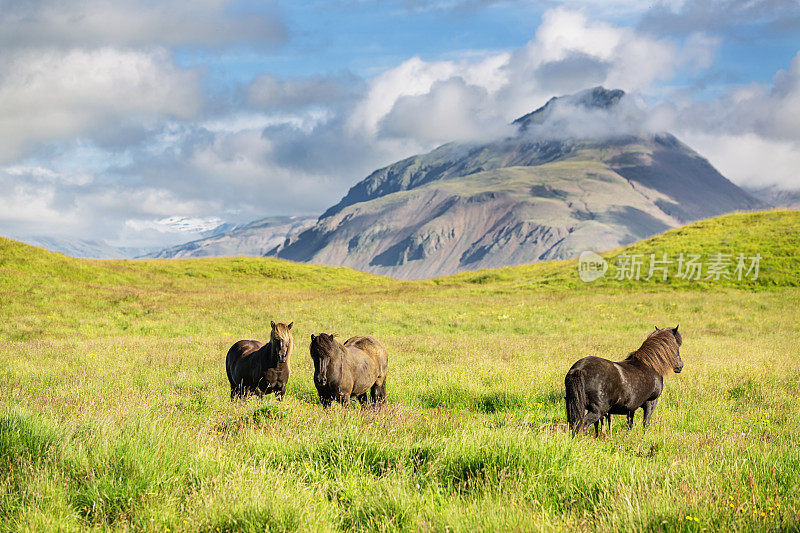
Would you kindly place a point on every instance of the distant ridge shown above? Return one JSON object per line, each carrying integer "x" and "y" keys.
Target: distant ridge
{"x": 254, "y": 239}
{"x": 774, "y": 235}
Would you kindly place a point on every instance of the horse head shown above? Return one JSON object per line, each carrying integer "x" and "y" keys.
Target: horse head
{"x": 660, "y": 352}
{"x": 281, "y": 340}
{"x": 678, "y": 362}
{"x": 324, "y": 350}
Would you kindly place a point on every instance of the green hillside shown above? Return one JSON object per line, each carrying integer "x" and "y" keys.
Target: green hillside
{"x": 115, "y": 410}
{"x": 148, "y": 296}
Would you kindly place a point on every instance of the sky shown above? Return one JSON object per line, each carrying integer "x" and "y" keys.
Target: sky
{"x": 145, "y": 123}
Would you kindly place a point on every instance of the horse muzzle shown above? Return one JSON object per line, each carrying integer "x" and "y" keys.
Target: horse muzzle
{"x": 281, "y": 357}
{"x": 321, "y": 380}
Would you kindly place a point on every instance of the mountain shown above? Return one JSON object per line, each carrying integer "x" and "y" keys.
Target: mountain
{"x": 89, "y": 249}
{"x": 789, "y": 199}
{"x": 533, "y": 196}
{"x": 254, "y": 239}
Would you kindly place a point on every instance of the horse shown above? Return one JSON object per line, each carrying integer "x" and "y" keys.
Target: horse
{"x": 344, "y": 371}
{"x": 256, "y": 368}
{"x": 596, "y": 388}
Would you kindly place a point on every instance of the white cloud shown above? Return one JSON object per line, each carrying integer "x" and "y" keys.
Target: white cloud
{"x": 412, "y": 77}
{"x": 750, "y": 160}
{"x": 50, "y": 94}
{"x": 433, "y": 102}
{"x": 451, "y": 110}
{"x": 75, "y": 92}
{"x": 634, "y": 60}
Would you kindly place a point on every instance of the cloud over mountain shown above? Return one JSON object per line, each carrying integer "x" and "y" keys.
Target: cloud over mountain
{"x": 141, "y": 111}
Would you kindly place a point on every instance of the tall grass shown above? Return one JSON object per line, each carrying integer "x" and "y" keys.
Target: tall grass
{"x": 114, "y": 407}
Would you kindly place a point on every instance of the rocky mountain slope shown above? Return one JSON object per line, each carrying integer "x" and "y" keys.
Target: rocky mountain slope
{"x": 254, "y": 239}
{"x": 789, "y": 199}
{"x": 521, "y": 199}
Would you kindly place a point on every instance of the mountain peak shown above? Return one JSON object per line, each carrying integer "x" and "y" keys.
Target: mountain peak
{"x": 595, "y": 98}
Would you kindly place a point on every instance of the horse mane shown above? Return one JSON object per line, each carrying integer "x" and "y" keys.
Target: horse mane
{"x": 658, "y": 351}
{"x": 283, "y": 332}
{"x": 326, "y": 343}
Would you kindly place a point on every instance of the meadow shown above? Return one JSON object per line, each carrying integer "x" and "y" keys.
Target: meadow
{"x": 115, "y": 410}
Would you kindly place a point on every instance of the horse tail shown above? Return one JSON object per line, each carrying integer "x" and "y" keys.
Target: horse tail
{"x": 228, "y": 370}
{"x": 576, "y": 398}
{"x": 229, "y": 362}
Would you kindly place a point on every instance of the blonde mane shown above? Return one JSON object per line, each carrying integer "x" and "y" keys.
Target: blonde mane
{"x": 659, "y": 351}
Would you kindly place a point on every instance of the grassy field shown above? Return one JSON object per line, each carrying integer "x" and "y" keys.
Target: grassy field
{"x": 114, "y": 408}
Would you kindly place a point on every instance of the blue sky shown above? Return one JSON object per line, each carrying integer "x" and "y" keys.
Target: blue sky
{"x": 145, "y": 123}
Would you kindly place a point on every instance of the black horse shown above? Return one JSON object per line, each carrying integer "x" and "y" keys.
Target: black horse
{"x": 597, "y": 388}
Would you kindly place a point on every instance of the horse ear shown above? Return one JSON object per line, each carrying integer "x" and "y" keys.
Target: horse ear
{"x": 272, "y": 323}
{"x": 312, "y": 337}
{"x": 675, "y": 329}
{"x": 290, "y": 324}
{"x": 656, "y": 328}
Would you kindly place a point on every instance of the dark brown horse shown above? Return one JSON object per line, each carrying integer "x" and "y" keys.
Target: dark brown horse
{"x": 256, "y": 368}
{"x": 597, "y": 388}
{"x": 344, "y": 371}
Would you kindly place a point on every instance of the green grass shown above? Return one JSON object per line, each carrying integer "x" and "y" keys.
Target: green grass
{"x": 114, "y": 409}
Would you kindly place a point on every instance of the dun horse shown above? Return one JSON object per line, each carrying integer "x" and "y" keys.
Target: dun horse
{"x": 256, "y": 368}
{"x": 597, "y": 388}
{"x": 352, "y": 369}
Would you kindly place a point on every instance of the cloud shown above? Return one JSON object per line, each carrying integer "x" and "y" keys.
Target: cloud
{"x": 691, "y": 16}
{"x": 38, "y": 201}
{"x": 47, "y": 95}
{"x": 290, "y": 145}
{"x": 96, "y": 23}
{"x": 750, "y": 160}
{"x": 270, "y": 92}
{"x": 574, "y": 72}
{"x": 622, "y": 57}
{"x": 427, "y": 103}
{"x": 451, "y": 109}
{"x": 411, "y": 78}
{"x": 749, "y": 132}
{"x": 768, "y": 111}
{"x": 104, "y": 135}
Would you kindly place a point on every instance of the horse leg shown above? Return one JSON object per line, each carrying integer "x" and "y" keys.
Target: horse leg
{"x": 280, "y": 392}
{"x": 588, "y": 419}
{"x": 378, "y": 394}
{"x": 362, "y": 398}
{"x": 603, "y": 425}
{"x": 630, "y": 418}
{"x": 237, "y": 392}
{"x": 344, "y": 399}
{"x": 649, "y": 407}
